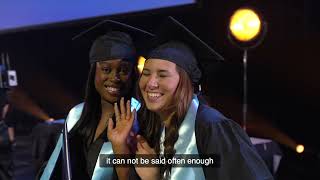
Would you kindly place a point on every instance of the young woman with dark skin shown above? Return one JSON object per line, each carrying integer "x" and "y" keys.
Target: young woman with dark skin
{"x": 111, "y": 80}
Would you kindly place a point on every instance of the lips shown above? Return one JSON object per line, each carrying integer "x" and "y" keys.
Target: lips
{"x": 115, "y": 91}
{"x": 154, "y": 96}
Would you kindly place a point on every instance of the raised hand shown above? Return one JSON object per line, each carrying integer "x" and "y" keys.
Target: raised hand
{"x": 143, "y": 148}
{"x": 118, "y": 135}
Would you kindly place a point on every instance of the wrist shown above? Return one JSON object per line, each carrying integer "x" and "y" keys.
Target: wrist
{"x": 122, "y": 173}
{"x": 121, "y": 149}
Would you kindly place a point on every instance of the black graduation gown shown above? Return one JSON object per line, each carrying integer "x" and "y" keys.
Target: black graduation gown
{"x": 82, "y": 161}
{"x": 215, "y": 134}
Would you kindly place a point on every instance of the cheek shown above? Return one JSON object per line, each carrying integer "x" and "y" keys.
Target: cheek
{"x": 171, "y": 86}
{"x": 97, "y": 81}
{"x": 100, "y": 77}
{"x": 142, "y": 83}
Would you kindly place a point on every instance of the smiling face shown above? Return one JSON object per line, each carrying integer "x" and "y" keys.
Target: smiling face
{"x": 112, "y": 79}
{"x": 158, "y": 84}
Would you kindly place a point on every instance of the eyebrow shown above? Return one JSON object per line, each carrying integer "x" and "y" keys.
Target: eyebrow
{"x": 111, "y": 64}
{"x": 163, "y": 71}
{"x": 104, "y": 63}
{"x": 158, "y": 71}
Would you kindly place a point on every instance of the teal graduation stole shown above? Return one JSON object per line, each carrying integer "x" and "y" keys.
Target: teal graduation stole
{"x": 72, "y": 119}
{"x": 103, "y": 172}
{"x": 99, "y": 172}
{"x": 186, "y": 144}
{"x": 106, "y": 172}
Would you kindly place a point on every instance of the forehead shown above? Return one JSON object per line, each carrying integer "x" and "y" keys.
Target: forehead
{"x": 115, "y": 62}
{"x": 159, "y": 64}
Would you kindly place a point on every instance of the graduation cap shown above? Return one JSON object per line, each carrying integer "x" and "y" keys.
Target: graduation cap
{"x": 176, "y": 43}
{"x": 113, "y": 40}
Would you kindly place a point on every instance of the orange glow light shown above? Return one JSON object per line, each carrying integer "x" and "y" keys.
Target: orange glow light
{"x": 245, "y": 25}
{"x": 140, "y": 65}
{"x": 300, "y": 148}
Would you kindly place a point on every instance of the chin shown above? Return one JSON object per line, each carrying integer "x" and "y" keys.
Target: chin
{"x": 111, "y": 99}
{"x": 153, "y": 107}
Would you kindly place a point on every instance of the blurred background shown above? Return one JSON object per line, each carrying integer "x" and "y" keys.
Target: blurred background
{"x": 283, "y": 75}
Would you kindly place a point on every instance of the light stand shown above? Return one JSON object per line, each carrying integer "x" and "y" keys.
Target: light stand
{"x": 246, "y": 31}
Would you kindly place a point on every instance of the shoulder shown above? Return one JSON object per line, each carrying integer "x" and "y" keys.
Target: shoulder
{"x": 209, "y": 115}
{"x": 74, "y": 115}
{"x": 76, "y": 109}
{"x": 213, "y": 127}
{"x": 216, "y": 134}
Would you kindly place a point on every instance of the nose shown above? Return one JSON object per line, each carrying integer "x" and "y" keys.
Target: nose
{"x": 115, "y": 77}
{"x": 152, "y": 82}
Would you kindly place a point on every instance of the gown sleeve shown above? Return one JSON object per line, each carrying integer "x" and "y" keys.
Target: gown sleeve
{"x": 215, "y": 134}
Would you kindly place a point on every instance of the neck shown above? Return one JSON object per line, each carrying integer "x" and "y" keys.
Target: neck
{"x": 107, "y": 110}
{"x": 166, "y": 117}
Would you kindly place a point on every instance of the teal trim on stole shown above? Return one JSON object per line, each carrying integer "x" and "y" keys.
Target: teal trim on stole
{"x": 52, "y": 161}
{"x": 186, "y": 144}
{"x": 72, "y": 119}
{"x": 107, "y": 172}
{"x": 99, "y": 172}
{"x": 103, "y": 172}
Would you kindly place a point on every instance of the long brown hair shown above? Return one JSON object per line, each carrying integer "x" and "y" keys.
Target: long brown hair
{"x": 151, "y": 125}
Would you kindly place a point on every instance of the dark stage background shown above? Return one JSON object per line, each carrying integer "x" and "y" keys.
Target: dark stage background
{"x": 283, "y": 75}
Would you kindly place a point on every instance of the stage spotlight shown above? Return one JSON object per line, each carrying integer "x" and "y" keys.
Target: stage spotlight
{"x": 140, "y": 65}
{"x": 245, "y": 24}
{"x": 246, "y": 30}
{"x": 299, "y": 148}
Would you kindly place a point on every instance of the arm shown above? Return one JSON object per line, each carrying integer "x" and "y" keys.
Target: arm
{"x": 146, "y": 173}
{"x": 118, "y": 135}
{"x": 5, "y": 110}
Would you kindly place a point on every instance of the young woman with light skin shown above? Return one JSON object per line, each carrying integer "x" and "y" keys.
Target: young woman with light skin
{"x": 173, "y": 121}
{"x": 161, "y": 87}
{"x": 167, "y": 92}
{"x": 158, "y": 86}
{"x": 170, "y": 112}
{"x": 159, "y": 83}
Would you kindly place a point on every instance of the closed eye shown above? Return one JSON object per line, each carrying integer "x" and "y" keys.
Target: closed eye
{"x": 145, "y": 72}
{"x": 163, "y": 73}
